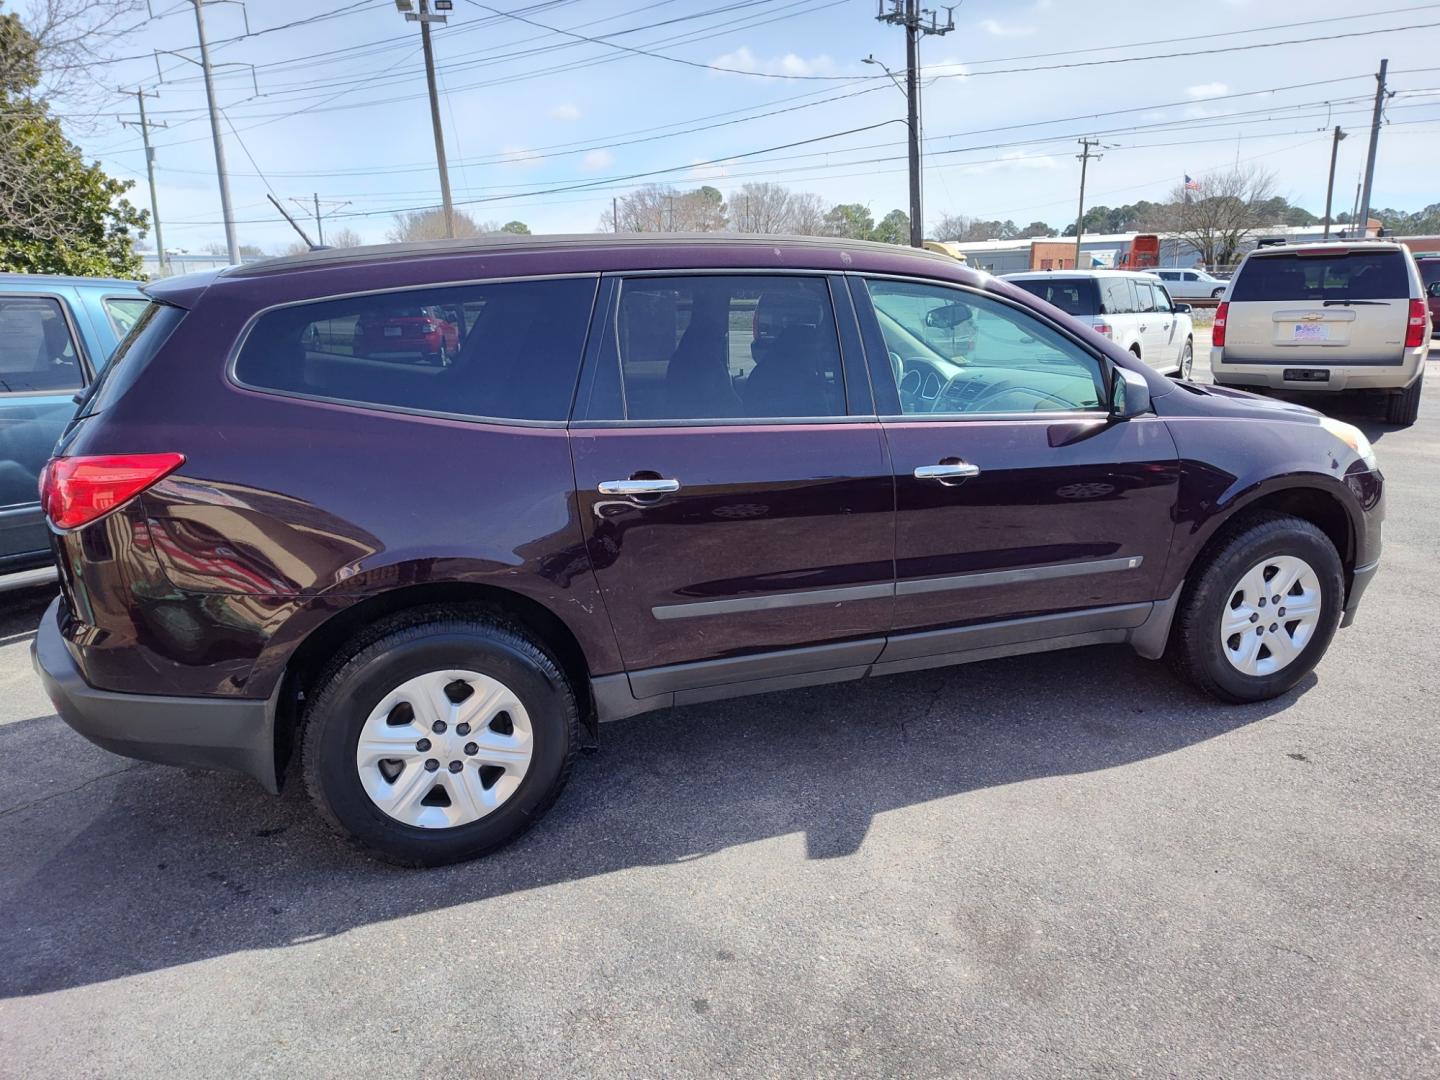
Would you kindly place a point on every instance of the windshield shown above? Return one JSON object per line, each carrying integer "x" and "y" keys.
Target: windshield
{"x": 1340, "y": 275}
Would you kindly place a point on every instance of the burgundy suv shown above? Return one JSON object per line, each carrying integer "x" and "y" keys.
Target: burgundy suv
{"x": 655, "y": 472}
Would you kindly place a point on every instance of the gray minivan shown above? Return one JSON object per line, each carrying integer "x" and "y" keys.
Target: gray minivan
{"x": 56, "y": 333}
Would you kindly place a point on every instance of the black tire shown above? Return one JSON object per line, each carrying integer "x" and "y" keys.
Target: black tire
{"x": 425, "y": 641}
{"x": 1216, "y": 294}
{"x": 1195, "y": 651}
{"x": 1403, "y": 409}
{"x": 1187, "y": 361}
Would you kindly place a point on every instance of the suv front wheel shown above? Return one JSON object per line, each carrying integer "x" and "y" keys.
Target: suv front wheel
{"x": 1259, "y": 613}
{"x": 441, "y": 739}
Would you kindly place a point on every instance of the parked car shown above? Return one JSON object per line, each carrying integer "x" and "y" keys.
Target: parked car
{"x": 1332, "y": 317}
{"x": 425, "y": 333}
{"x": 658, "y": 472}
{"x": 1130, "y": 308}
{"x": 1190, "y": 284}
{"x": 55, "y": 334}
{"x": 1429, "y": 265}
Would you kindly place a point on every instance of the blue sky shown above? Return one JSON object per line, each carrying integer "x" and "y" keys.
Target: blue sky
{"x": 342, "y": 108}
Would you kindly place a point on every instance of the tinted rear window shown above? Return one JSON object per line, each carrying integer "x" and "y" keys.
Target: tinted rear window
{"x": 1430, "y": 272}
{"x": 509, "y": 350}
{"x": 1360, "y": 275}
{"x": 149, "y": 331}
{"x": 1074, "y": 296}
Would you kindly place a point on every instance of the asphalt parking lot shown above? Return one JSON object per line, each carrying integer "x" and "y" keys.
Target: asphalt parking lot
{"x": 1054, "y": 865}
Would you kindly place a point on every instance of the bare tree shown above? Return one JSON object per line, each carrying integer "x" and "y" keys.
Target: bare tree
{"x": 663, "y": 208}
{"x": 70, "y": 36}
{"x": 807, "y": 214}
{"x": 953, "y": 227}
{"x": 343, "y": 238}
{"x": 1220, "y": 212}
{"x": 429, "y": 224}
{"x": 775, "y": 209}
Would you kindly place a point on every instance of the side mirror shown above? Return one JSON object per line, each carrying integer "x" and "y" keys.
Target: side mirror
{"x": 1182, "y": 309}
{"x": 948, "y": 316}
{"x": 1129, "y": 394}
{"x": 1435, "y": 289}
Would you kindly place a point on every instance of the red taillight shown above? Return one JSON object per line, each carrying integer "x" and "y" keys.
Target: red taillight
{"x": 74, "y": 491}
{"x": 1418, "y": 326}
{"x": 1217, "y": 333}
{"x": 1104, "y": 328}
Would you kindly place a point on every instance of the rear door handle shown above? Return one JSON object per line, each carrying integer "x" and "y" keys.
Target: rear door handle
{"x": 638, "y": 487}
{"x": 956, "y": 471}
{"x": 1144, "y": 326}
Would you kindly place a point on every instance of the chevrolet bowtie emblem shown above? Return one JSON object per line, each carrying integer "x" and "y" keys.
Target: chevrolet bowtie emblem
{"x": 1312, "y": 317}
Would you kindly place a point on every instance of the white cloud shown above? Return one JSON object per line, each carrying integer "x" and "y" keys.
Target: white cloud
{"x": 1207, "y": 90}
{"x": 948, "y": 66}
{"x": 520, "y": 156}
{"x": 597, "y": 159}
{"x": 999, "y": 29}
{"x": 1204, "y": 112}
{"x": 565, "y": 111}
{"x": 743, "y": 59}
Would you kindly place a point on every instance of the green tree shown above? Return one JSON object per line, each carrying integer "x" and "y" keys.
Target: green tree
{"x": 853, "y": 221}
{"x": 518, "y": 228}
{"x": 894, "y": 228}
{"x": 58, "y": 215}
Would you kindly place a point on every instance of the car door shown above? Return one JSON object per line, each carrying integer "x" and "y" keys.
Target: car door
{"x": 1023, "y": 509}
{"x": 1152, "y": 333}
{"x": 1118, "y": 304}
{"x": 42, "y": 365}
{"x": 733, "y": 481}
{"x": 1168, "y": 339}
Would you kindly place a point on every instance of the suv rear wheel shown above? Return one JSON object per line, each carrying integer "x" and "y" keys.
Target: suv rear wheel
{"x": 1260, "y": 612}
{"x": 1403, "y": 409}
{"x": 441, "y": 739}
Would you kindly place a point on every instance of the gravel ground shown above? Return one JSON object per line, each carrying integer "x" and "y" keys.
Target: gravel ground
{"x": 1054, "y": 865}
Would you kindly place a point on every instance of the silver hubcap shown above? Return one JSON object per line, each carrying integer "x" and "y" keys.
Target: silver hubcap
{"x": 444, "y": 749}
{"x": 1273, "y": 611}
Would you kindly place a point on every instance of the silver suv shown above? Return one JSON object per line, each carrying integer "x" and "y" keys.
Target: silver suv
{"x": 1330, "y": 317}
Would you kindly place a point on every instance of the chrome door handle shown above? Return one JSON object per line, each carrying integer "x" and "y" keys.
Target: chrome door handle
{"x": 957, "y": 471}
{"x": 638, "y": 487}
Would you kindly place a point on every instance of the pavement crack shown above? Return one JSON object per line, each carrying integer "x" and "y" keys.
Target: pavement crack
{"x": 68, "y": 791}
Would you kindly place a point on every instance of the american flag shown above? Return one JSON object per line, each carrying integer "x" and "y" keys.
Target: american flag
{"x": 1191, "y": 185}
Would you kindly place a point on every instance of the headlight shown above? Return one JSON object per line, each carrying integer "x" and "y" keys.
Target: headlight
{"x": 1352, "y": 437}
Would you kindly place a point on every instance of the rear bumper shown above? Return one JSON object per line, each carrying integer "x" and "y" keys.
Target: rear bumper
{"x": 1342, "y": 376}
{"x": 209, "y": 733}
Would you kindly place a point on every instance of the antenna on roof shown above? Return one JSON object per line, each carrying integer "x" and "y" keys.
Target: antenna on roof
{"x": 294, "y": 225}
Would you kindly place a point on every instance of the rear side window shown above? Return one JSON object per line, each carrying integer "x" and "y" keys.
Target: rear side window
{"x": 130, "y": 358}
{"x": 123, "y": 312}
{"x": 1117, "y": 296}
{"x": 1430, "y": 273}
{"x": 509, "y": 350}
{"x": 717, "y": 347}
{"x": 1357, "y": 275}
{"x": 1074, "y": 296}
{"x": 37, "y": 350}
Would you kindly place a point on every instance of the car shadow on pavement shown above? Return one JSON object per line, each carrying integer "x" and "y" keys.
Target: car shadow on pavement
{"x": 132, "y": 868}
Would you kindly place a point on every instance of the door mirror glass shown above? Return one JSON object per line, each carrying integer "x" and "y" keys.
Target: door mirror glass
{"x": 1182, "y": 309}
{"x": 948, "y": 316}
{"x": 1130, "y": 394}
{"x": 1435, "y": 289}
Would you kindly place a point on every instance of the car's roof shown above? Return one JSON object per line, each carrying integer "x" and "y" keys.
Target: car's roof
{"x": 1033, "y": 274}
{"x": 865, "y": 250}
{"x": 1310, "y": 247}
{"x": 41, "y": 281}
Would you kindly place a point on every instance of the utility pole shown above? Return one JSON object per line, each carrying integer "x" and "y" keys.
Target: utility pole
{"x": 144, "y": 126}
{"x": 231, "y": 245}
{"x": 1330, "y": 187}
{"x": 425, "y": 17}
{"x": 319, "y": 217}
{"x": 1374, "y": 143}
{"x": 319, "y": 222}
{"x": 615, "y": 214}
{"x": 918, "y": 22}
{"x": 1085, "y": 155}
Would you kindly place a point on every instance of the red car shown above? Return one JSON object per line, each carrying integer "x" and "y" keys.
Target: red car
{"x": 1429, "y": 264}
{"x": 426, "y": 334}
